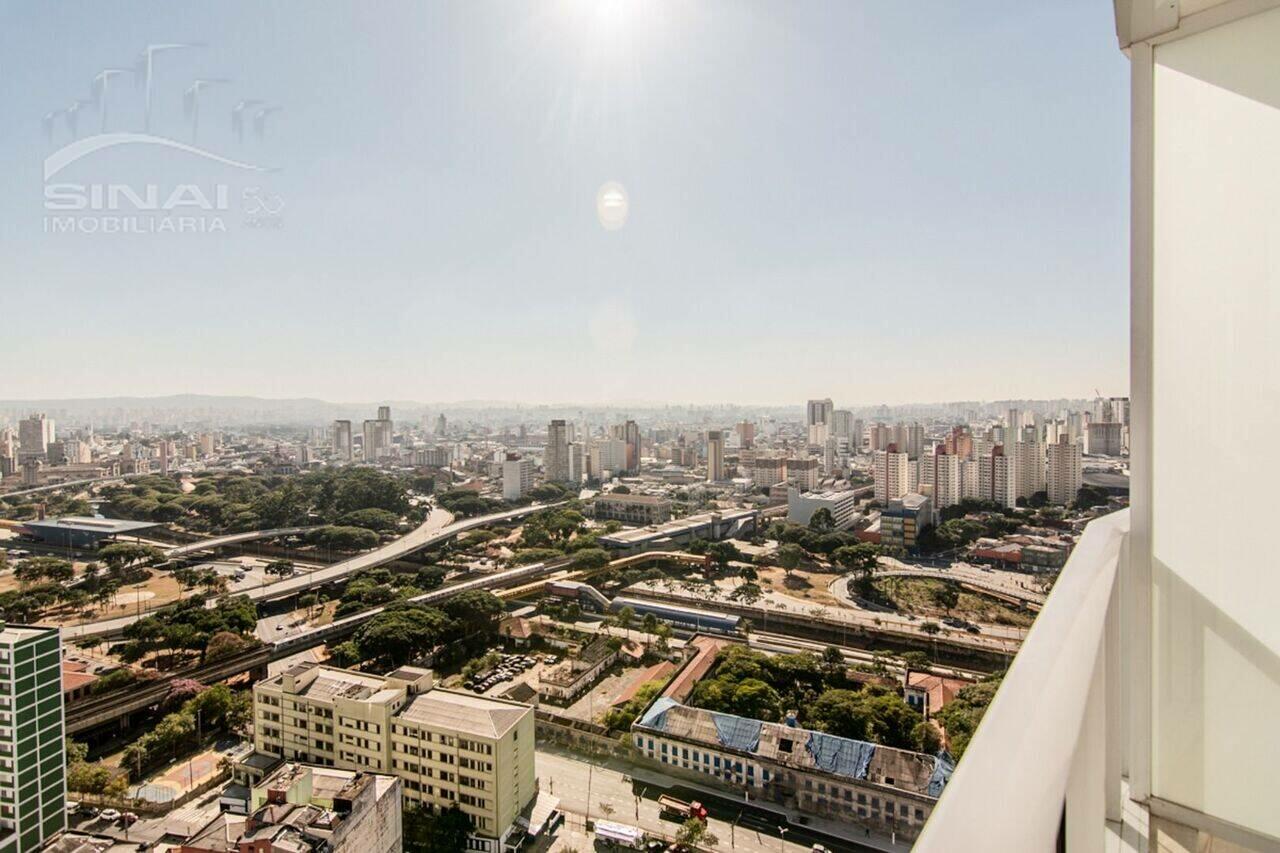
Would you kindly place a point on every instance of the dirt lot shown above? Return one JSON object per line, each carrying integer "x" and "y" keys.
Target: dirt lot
{"x": 811, "y": 586}
{"x": 913, "y": 596}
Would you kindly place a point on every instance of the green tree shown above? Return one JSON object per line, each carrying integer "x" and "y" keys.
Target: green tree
{"x": 590, "y": 558}
{"x": 961, "y": 716}
{"x": 372, "y": 518}
{"x": 694, "y": 833}
{"x": 789, "y": 557}
{"x": 34, "y": 569}
{"x": 822, "y": 521}
{"x": 402, "y": 632}
{"x": 945, "y": 595}
{"x": 475, "y": 610}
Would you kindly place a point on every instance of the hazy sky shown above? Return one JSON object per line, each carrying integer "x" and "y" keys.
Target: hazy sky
{"x": 889, "y": 201}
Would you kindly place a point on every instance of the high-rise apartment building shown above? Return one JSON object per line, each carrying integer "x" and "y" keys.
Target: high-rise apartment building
{"x": 939, "y": 474}
{"x": 746, "y": 431}
{"x": 342, "y": 440}
{"x": 890, "y": 472}
{"x": 1065, "y": 471}
{"x": 577, "y": 462}
{"x": 556, "y": 459}
{"x": 34, "y": 435}
{"x": 998, "y": 478}
{"x": 842, "y": 423}
{"x": 1030, "y": 454}
{"x": 970, "y": 479}
{"x": 442, "y": 424}
{"x": 446, "y": 747}
{"x": 768, "y": 470}
{"x": 915, "y": 441}
{"x": 803, "y": 473}
{"x": 517, "y": 476}
{"x": 608, "y": 454}
{"x": 715, "y": 456}
{"x": 629, "y": 434}
{"x": 384, "y": 413}
{"x": 377, "y": 438}
{"x": 879, "y": 436}
{"x": 1106, "y": 439}
{"x": 32, "y": 753}
{"x": 819, "y": 412}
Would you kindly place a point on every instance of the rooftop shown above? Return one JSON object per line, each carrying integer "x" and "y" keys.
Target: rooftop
{"x": 90, "y": 524}
{"x": 802, "y": 749}
{"x": 465, "y": 713}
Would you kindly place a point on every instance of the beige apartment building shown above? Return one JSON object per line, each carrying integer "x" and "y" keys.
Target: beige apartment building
{"x": 446, "y": 747}
{"x": 451, "y": 747}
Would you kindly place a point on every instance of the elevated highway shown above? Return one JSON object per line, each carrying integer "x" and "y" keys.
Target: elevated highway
{"x": 97, "y": 711}
{"x": 233, "y": 539}
{"x": 427, "y": 534}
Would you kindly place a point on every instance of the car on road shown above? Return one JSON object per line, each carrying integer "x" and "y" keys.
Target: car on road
{"x": 109, "y": 815}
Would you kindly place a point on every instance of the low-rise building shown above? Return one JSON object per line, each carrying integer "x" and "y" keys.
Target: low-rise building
{"x": 632, "y": 509}
{"x": 843, "y": 506}
{"x": 403, "y": 725}
{"x": 710, "y": 526}
{"x": 567, "y": 680}
{"x": 476, "y": 751}
{"x": 305, "y": 809}
{"x": 893, "y": 790}
{"x": 903, "y": 519}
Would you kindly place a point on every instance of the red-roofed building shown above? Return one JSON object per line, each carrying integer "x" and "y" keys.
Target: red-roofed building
{"x": 693, "y": 671}
{"x": 77, "y": 681}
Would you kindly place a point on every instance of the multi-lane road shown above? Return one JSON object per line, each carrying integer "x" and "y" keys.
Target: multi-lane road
{"x": 438, "y": 527}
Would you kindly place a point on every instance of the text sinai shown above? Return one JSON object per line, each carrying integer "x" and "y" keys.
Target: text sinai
{"x": 189, "y": 197}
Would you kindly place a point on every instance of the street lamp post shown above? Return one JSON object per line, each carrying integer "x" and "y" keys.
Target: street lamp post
{"x": 782, "y": 830}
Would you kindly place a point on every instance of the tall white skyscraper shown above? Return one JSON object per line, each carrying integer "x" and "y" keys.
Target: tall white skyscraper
{"x": 1065, "y": 471}
{"x": 517, "y": 477}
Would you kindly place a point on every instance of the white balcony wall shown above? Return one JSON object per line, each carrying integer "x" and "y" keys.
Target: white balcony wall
{"x": 1215, "y": 410}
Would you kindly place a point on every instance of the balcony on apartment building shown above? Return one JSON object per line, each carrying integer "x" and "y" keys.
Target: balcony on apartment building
{"x": 1141, "y": 712}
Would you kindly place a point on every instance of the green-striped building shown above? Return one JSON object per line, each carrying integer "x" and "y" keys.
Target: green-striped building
{"x": 33, "y": 788}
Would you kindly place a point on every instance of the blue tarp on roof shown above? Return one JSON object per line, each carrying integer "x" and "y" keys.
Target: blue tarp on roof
{"x": 841, "y": 755}
{"x": 943, "y": 767}
{"x": 656, "y": 716}
{"x": 737, "y": 732}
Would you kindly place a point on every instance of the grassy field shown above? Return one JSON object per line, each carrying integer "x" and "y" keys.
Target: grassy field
{"x": 914, "y": 595}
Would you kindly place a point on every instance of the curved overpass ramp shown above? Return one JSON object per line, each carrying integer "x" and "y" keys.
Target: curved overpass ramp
{"x": 1005, "y": 592}
{"x": 423, "y": 536}
{"x": 233, "y": 539}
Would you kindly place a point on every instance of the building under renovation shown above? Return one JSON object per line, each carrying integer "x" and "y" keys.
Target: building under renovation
{"x": 892, "y": 790}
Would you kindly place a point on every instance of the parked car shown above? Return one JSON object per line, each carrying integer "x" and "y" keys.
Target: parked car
{"x": 72, "y": 807}
{"x": 109, "y": 815}
{"x": 128, "y": 818}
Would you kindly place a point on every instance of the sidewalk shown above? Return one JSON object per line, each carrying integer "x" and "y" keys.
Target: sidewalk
{"x": 623, "y": 792}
